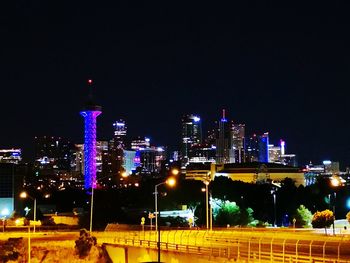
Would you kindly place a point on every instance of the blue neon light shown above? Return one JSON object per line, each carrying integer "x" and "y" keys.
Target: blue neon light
{"x": 90, "y": 148}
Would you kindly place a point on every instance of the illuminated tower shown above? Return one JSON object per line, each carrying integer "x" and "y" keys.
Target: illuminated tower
{"x": 90, "y": 113}
{"x": 191, "y": 135}
{"x": 224, "y": 151}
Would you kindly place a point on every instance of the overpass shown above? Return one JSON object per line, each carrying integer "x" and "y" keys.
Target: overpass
{"x": 248, "y": 245}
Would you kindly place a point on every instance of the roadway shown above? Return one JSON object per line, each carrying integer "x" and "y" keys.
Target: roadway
{"x": 275, "y": 244}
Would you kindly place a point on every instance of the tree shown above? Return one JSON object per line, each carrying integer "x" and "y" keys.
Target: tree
{"x": 84, "y": 244}
{"x": 226, "y": 212}
{"x": 322, "y": 219}
{"x": 303, "y": 217}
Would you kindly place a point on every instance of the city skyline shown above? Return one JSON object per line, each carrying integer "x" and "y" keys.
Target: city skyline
{"x": 121, "y": 139}
{"x": 275, "y": 68}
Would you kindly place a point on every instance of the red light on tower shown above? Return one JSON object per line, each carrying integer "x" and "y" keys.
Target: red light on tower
{"x": 89, "y": 81}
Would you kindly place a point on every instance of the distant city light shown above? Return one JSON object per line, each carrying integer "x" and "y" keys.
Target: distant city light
{"x": 5, "y": 212}
{"x": 89, "y": 81}
{"x": 348, "y": 203}
{"x": 327, "y": 162}
{"x": 196, "y": 119}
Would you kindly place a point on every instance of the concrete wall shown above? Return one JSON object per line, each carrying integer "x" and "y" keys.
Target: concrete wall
{"x": 122, "y": 254}
{"x": 67, "y": 220}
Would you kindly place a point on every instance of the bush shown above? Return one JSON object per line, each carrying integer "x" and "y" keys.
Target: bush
{"x": 84, "y": 244}
{"x": 303, "y": 217}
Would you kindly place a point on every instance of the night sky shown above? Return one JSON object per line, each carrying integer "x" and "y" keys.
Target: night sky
{"x": 275, "y": 67}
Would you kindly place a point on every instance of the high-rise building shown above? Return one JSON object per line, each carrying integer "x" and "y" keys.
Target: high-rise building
{"x": 202, "y": 153}
{"x": 224, "y": 150}
{"x": 11, "y": 182}
{"x": 151, "y": 159}
{"x": 238, "y": 134}
{"x": 264, "y": 148}
{"x": 140, "y": 142}
{"x": 251, "y": 146}
{"x": 118, "y": 146}
{"x": 90, "y": 113}
{"x": 191, "y": 135}
{"x": 274, "y": 154}
{"x": 52, "y": 153}
{"x": 10, "y": 156}
{"x": 120, "y": 131}
{"x": 257, "y": 148}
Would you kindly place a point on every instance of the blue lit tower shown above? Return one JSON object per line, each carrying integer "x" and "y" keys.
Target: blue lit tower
{"x": 90, "y": 113}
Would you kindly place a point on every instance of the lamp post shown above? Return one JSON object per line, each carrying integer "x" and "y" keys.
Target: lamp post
{"x": 93, "y": 185}
{"x": 171, "y": 182}
{"x": 206, "y": 202}
{"x": 273, "y": 192}
{"x": 335, "y": 182}
{"x": 25, "y": 195}
{"x": 91, "y": 208}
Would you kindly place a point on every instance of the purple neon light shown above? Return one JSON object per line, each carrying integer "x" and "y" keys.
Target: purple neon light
{"x": 90, "y": 148}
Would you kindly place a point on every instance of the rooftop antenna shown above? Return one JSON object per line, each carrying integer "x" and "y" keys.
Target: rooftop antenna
{"x": 223, "y": 116}
{"x": 90, "y": 82}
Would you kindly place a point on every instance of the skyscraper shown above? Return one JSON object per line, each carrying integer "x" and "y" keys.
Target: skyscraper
{"x": 120, "y": 130}
{"x": 257, "y": 148}
{"x": 264, "y": 148}
{"x": 118, "y": 147}
{"x": 224, "y": 150}
{"x": 52, "y": 153}
{"x": 191, "y": 135}
{"x": 10, "y": 156}
{"x": 238, "y": 133}
{"x": 90, "y": 113}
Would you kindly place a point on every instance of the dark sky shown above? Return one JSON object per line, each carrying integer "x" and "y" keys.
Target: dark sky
{"x": 273, "y": 66}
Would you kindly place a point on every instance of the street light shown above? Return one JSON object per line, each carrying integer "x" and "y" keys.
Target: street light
{"x": 24, "y": 195}
{"x": 206, "y": 203}
{"x": 335, "y": 182}
{"x": 124, "y": 174}
{"x": 171, "y": 182}
{"x": 273, "y": 192}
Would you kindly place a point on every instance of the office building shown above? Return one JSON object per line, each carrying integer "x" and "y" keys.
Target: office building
{"x": 238, "y": 135}
{"x": 52, "y": 153}
{"x": 202, "y": 153}
{"x": 11, "y": 182}
{"x": 120, "y": 133}
{"x": 257, "y": 148}
{"x": 140, "y": 142}
{"x": 10, "y": 156}
{"x": 191, "y": 135}
{"x": 224, "y": 150}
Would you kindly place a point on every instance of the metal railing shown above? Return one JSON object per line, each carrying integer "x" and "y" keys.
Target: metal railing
{"x": 279, "y": 246}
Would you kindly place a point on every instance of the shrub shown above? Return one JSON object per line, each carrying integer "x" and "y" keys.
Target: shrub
{"x": 84, "y": 244}
{"x": 303, "y": 217}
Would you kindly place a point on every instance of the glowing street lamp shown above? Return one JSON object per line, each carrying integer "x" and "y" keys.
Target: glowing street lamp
{"x": 206, "y": 202}
{"x": 24, "y": 195}
{"x": 171, "y": 182}
{"x": 175, "y": 171}
{"x": 335, "y": 182}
